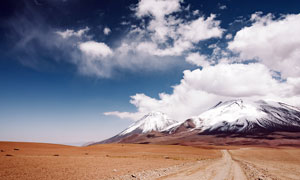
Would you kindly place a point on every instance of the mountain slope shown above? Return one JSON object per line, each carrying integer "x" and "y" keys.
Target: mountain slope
{"x": 152, "y": 122}
{"x": 240, "y": 116}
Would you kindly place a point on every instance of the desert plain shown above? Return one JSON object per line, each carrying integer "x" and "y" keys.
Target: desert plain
{"x": 146, "y": 161}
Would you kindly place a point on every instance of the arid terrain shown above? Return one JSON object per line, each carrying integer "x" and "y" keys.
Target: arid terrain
{"x": 146, "y": 161}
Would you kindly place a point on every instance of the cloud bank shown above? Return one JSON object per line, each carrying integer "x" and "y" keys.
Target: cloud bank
{"x": 274, "y": 42}
{"x": 202, "y": 89}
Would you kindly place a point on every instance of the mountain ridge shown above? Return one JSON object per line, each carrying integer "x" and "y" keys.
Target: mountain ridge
{"x": 236, "y": 116}
{"x": 227, "y": 118}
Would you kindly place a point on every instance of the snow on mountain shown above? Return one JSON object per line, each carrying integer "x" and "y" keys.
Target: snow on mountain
{"x": 247, "y": 116}
{"x": 236, "y": 116}
{"x": 154, "y": 121}
{"x": 230, "y": 111}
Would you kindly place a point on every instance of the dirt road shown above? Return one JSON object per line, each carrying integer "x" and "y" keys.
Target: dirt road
{"x": 224, "y": 168}
{"x": 235, "y": 164}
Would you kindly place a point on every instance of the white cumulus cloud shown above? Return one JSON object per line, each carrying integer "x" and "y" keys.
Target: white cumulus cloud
{"x": 125, "y": 115}
{"x": 157, "y": 8}
{"x": 228, "y": 36}
{"x": 95, "y": 49}
{"x": 197, "y": 59}
{"x": 70, "y": 32}
{"x": 106, "y": 31}
{"x": 233, "y": 80}
{"x": 274, "y": 42}
{"x": 167, "y": 34}
{"x": 200, "y": 29}
{"x": 95, "y": 59}
{"x": 202, "y": 89}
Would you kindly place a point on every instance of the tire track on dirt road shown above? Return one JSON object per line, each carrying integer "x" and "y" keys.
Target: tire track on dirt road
{"x": 224, "y": 168}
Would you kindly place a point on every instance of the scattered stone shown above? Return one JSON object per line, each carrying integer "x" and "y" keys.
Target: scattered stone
{"x": 133, "y": 176}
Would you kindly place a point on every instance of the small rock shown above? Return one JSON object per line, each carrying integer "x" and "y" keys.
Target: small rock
{"x": 133, "y": 176}
{"x": 16, "y": 149}
{"x": 167, "y": 157}
{"x": 2, "y": 150}
{"x": 56, "y": 155}
{"x": 8, "y": 155}
{"x": 114, "y": 170}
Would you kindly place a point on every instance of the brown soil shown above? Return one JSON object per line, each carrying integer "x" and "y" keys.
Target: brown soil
{"x": 269, "y": 163}
{"x": 50, "y": 161}
{"x": 147, "y": 161}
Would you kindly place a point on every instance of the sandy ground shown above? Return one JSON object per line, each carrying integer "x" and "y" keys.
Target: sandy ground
{"x": 48, "y": 161}
{"x": 128, "y": 161}
{"x": 223, "y": 168}
{"x": 269, "y": 163}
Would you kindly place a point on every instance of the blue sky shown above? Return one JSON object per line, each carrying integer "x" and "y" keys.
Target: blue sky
{"x": 60, "y": 72}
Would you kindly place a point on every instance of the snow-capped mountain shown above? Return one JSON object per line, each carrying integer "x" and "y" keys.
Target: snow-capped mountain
{"x": 230, "y": 117}
{"x": 154, "y": 121}
{"x": 239, "y": 116}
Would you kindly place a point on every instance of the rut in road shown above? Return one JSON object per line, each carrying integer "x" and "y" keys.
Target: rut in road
{"x": 222, "y": 169}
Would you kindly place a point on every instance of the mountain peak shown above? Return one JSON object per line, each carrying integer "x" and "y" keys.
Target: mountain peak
{"x": 236, "y": 102}
{"x": 230, "y": 111}
{"x": 154, "y": 113}
{"x": 153, "y": 121}
{"x": 240, "y": 116}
